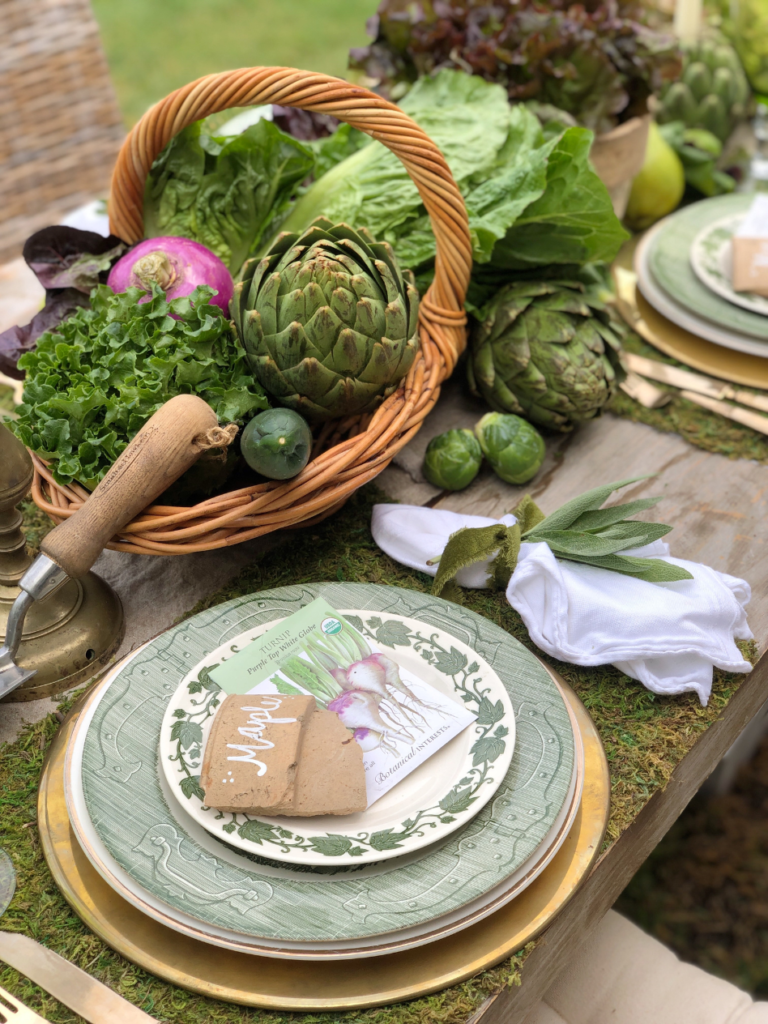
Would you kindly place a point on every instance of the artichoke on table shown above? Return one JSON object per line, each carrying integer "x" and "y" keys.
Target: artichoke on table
{"x": 546, "y": 350}
{"x": 712, "y": 93}
{"x": 328, "y": 320}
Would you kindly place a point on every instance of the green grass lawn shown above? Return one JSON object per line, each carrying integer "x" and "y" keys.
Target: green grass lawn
{"x": 154, "y": 46}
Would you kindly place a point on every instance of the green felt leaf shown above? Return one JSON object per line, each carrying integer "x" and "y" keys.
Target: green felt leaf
{"x": 468, "y": 545}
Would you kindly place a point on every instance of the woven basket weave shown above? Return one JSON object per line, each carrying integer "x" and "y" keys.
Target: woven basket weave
{"x": 348, "y": 452}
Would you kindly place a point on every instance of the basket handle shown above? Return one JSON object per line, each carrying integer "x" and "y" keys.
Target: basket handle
{"x": 443, "y": 304}
{"x": 165, "y": 447}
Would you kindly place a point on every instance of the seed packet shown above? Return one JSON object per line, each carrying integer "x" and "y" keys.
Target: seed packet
{"x": 398, "y": 718}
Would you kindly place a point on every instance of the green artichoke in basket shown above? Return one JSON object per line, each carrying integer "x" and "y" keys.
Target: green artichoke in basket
{"x": 546, "y": 350}
{"x": 328, "y": 320}
{"x": 712, "y": 92}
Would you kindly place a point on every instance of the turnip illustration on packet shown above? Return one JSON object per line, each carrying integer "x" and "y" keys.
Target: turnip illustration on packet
{"x": 399, "y": 719}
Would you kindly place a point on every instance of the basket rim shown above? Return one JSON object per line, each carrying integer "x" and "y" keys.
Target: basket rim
{"x": 373, "y": 438}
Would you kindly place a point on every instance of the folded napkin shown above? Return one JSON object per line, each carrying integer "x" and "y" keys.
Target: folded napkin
{"x": 666, "y": 635}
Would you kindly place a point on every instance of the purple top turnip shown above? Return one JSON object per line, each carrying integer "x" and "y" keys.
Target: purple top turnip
{"x": 177, "y": 265}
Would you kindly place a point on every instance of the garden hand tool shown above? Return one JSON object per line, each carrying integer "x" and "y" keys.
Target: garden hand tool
{"x": 165, "y": 447}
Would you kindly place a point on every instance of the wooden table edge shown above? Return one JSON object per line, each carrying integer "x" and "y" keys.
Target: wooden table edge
{"x": 622, "y": 859}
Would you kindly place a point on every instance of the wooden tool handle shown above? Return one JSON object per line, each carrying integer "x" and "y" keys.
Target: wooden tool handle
{"x": 163, "y": 449}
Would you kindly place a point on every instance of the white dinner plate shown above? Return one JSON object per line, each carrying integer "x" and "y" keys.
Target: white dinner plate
{"x": 436, "y": 799}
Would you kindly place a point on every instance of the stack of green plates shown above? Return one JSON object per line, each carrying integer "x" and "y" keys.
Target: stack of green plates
{"x": 683, "y": 267}
{"x": 461, "y": 836}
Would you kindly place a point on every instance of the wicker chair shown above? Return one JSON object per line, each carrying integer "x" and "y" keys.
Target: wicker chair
{"x": 60, "y": 128}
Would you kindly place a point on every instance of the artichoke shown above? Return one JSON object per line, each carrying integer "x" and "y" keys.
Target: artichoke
{"x": 452, "y": 460}
{"x": 547, "y": 351}
{"x": 513, "y": 447}
{"x": 328, "y": 320}
{"x": 712, "y": 92}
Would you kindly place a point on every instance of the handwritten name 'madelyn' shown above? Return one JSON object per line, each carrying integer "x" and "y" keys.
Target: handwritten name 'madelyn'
{"x": 395, "y": 768}
{"x": 276, "y": 647}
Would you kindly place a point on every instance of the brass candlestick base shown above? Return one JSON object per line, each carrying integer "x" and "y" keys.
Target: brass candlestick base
{"x": 68, "y": 636}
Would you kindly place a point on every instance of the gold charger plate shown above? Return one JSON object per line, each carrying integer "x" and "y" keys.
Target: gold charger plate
{"x": 304, "y": 985}
{"x": 674, "y": 341}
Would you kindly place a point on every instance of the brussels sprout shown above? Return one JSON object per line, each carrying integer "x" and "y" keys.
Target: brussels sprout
{"x": 514, "y": 448}
{"x": 277, "y": 443}
{"x": 452, "y": 460}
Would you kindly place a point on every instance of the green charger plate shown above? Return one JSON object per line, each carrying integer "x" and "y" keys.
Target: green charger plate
{"x": 129, "y": 813}
{"x": 670, "y": 264}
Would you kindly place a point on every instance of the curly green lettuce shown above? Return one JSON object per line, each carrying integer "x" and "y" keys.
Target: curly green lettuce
{"x": 95, "y": 381}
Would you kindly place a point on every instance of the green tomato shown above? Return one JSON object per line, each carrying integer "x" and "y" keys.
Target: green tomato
{"x": 277, "y": 443}
{"x": 514, "y": 448}
{"x": 452, "y": 460}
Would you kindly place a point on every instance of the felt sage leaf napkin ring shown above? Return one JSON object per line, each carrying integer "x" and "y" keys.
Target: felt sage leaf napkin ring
{"x": 579, "y": 531}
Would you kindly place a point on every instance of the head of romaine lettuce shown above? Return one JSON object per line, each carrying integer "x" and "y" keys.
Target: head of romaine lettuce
{"x": 95, "y": 380}
{"x": 224, "y": 192}
{"x": 532, "y": 201}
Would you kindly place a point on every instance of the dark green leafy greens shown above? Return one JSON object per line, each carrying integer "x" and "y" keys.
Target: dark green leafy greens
{"x": 599, "y": 61}
{"x": 94, "y": 382}
{"x": 531, "y": 201}
{"x": 224, "y": 192}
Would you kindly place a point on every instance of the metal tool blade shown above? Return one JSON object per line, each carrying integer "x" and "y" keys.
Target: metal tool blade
{"x": 11, "y": 674}
{"x": 42, "y": 578}
{"x": 67, "y": 983}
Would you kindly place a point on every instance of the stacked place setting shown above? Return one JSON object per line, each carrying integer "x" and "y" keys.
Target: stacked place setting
{"x": 453, "y": 841}
{"x": 684, "y": 270}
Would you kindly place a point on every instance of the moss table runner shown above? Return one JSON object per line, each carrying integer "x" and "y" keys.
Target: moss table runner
{"x": 646, "y": 738}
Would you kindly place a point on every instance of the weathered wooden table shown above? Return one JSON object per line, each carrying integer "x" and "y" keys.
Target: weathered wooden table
{"x": 718, "y": 509}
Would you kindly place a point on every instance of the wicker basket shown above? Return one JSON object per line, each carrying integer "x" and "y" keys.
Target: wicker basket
{"x": 348, "y": 452}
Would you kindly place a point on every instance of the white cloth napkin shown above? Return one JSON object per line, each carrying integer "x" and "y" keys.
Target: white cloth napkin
{"x": 666, "y": 635}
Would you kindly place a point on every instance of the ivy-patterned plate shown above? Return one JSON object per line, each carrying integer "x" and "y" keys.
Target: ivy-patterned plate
{"x": 123, "y": 792}
{"x": 440, "y": 796}
{"x": 712, "y": 262}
